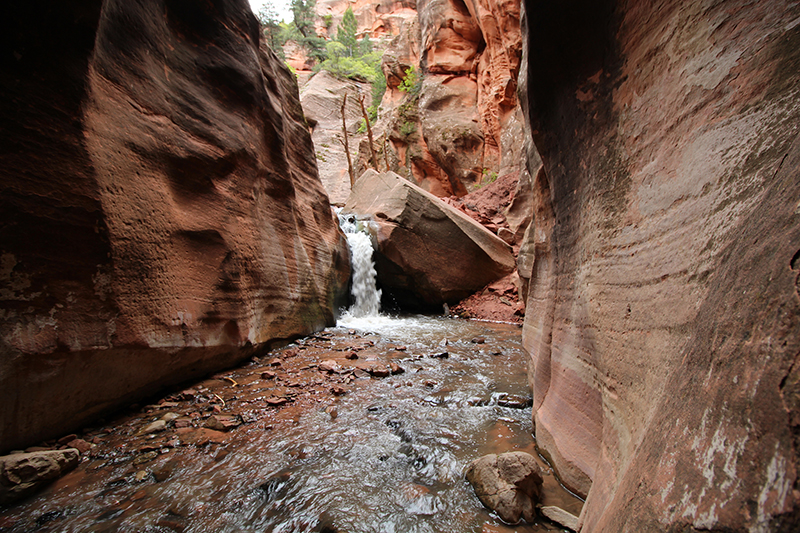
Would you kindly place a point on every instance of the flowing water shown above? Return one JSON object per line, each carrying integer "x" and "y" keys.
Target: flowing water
{"x": 365, "y": 427}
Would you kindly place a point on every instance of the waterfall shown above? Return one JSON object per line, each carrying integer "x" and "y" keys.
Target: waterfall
{"x": 366, "y": 296}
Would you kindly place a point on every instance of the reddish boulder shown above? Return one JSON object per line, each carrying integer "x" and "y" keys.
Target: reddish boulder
{"x": 160, "y": 210}
{"x": 663, "y": 316}
{"x": 22, "y": 474}
{"x": 428, "y": 252}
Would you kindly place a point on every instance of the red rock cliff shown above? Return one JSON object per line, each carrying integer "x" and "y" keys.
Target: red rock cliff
{"x": 664, "y": 314}
{"x": 160, "y": 210}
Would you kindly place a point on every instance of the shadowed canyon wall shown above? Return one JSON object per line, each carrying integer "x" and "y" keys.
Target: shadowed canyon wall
{"x": 160, "y": 210}
{"x": 663, "y": 315}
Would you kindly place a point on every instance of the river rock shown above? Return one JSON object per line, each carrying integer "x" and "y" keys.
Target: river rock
{"x": 161, "y": 215}
{"x": 22, "y": 474}
{"x": 509, "y": 484}
{"x": 428, "y": 252}
{"x": 663, "y": 313}
{"x": 560, "y": 516}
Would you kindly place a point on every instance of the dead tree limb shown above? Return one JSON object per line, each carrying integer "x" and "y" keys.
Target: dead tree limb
{"x": 346, "y": 144}
{"x": 369, "y": 133}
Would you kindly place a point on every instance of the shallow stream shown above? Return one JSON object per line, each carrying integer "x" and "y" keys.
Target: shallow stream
{"x": 366, "y": 427}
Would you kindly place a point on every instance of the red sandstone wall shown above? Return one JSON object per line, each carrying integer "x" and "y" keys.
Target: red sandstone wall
{"x": 664, "y": 315}
{"x": 160, "y": 210}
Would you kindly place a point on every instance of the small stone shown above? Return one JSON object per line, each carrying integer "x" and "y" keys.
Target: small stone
{"x": 66, "y": 439}
{"x": 268, "y": 375}
{"x": 560, "y": 516}
{"x": 169, "y": 417}
{"x": 430, "y": 383}
{"x": 277, "y": 400}
{"x": 146, "y": 457}
{"x": 79, "y": 444}
{"x": 223, "y": 422}
{"x": 183, "y": 423}
{"x": 275, "y": 362}
{"x": 352, "y": 355}
{"x": 331, "y": 410}
{"x": 329, "y": 366}
{"x": 154, "y": 427}
{"x": 479, "y": 340}
{"x": 440, "y": 355}
{"x": 338, "y": 391}
{"x": 140, "y": 476}
{"x": 396, "y": 369}
{"x": 379, "y": 371}
{"x": 513, "y": 401}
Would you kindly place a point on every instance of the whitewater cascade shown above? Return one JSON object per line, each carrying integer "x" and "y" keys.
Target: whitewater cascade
{"x": 366, "y": 296}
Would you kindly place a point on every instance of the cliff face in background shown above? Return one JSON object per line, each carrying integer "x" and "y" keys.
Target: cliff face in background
{"x": 663, "y": 316}
{"x": 160, "y": 213}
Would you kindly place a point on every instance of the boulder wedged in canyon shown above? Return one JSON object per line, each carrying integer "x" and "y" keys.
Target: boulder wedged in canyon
{"x": 160, "y": 212}
{"x": 663, "y": 317}
{"x": 428, "y": 252}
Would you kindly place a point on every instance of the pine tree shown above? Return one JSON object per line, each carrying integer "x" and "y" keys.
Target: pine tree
{"x": 346, "y": 33}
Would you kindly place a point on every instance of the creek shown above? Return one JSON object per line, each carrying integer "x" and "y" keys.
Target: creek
{"x": 364, "y": 427}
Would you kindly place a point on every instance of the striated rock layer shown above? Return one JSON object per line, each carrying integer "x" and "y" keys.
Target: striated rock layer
{"x": 663, "y": 316}
{"x": 160, "y": 210}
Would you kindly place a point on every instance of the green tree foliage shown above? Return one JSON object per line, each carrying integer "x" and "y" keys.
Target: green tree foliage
{"x": 272, "y": 28}
{"x": 346, "y": 34}
{"x": 303, "y": 12}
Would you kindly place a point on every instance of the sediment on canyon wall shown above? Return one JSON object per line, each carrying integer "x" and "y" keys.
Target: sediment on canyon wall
{"x": 161, "y": 214}
{"x": 663, "y": 316}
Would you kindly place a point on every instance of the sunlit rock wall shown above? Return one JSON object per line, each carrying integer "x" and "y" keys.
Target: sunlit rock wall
{"x": 664, "y": 317}
{"x": 160, "y": 210}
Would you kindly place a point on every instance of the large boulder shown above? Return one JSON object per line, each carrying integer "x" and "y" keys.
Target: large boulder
{"x": 428, "y": 252}
{"x": 663, "y": 319}
{"x": 509, "y": 484}
{"x": 22, "y": 474}
{"x": 160, "y": 210}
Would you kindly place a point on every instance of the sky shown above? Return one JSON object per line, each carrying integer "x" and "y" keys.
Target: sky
{"x": 281, "y": 6}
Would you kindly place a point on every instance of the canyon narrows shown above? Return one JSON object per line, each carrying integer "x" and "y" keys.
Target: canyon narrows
{"x": 619, "y": 178}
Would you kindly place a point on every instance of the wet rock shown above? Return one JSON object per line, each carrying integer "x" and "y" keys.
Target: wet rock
{"x": 146, "y": 457}
{"x": 428, "y": 252}
{"x": 79, "y": 444}
{"x": 379, "y": 371}
{"x": 509, "y": 484}
{"x": 440, "y": 355}
{"x": 268, "y": 375}
{"x": 396, "y": 369}
{"x": 154, "y": 427}
{"x": 352, "y": 355}
{"x": 201, "y": 436}
{"x": 329, "y": 366}
{"x": 560, "y": 516}
{"x": 276, "y": 401}
{"x": 479, "y": 340}
{"x": 22, "y": 474}
{"x": 169, "y": 417}
{"x": 141, "y": 475}
{"x": 275, "y": 362}
{"x": 223, "y": 422}
{"x": 338, "y": 391}
{"x": 514, "y": 401}
{"x": 64, "y": 440}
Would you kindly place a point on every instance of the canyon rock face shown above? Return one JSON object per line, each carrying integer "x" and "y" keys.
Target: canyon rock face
{"x": 160, "y": 212}
{"x": 321, "y": 98}
{"x": 663, "y": 318}
{"x": 428, "y": 253}
{"x": 377, "y": 19}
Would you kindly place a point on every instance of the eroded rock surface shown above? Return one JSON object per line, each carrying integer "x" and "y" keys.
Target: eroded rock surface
{"x": 428, "y": 252}
{"x": 22, "y": 474}
{"x": 161, "y": 214}
{"x": 510, "y": 484}
{"x": 663, "y": 314}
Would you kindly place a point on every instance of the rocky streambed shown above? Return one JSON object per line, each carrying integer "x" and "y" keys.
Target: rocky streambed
{"x": 365, "y": 427}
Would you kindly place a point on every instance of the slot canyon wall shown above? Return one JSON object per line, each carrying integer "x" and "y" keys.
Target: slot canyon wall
{"x": 663, "y": 317}
{"x": 160, "y": 210}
